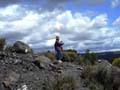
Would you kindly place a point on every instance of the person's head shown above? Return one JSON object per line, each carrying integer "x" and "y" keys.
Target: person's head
{"x": 57, "y": 38}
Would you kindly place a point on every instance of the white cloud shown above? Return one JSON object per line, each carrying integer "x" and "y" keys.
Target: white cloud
{"x": 100, "y": 21}
{"x": 115, "y": 3}
{"x": 117, "y": 22}
{"x": 9, "y": 11}
{"x": 39, "y": 28}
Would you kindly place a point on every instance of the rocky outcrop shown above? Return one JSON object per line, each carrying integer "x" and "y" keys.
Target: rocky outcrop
{"x": 21, "y": 72}
{"x": 112, "y": 75}
{"x": 104, "y": 74}
{"x": 21, "y": 47}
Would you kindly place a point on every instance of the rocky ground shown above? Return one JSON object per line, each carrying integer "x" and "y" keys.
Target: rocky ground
{"x": 35, "y": 72}
{"x": 23, "y": 72}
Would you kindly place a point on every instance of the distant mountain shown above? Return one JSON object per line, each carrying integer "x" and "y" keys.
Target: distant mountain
{"x": 107, "y": 55}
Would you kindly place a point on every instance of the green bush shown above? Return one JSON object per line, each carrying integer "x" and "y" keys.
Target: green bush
{"x": 90, "y": 58}
{"x": 116, "y": 62}
{"x": 50, "y": 55}
{"x": 73, "y": 56}
{"x": 71, "y": 50}
{"x": 2, "y": 43}
{"x": 100, "y": 74}
{"x": 65, "y": 57}
{"x": 95, "y": 86}
{"x": 86, "y": 72}
{"x": 80, "y": 59}
{"x": 64, "y": 82}
{"x": 69, "y": 56}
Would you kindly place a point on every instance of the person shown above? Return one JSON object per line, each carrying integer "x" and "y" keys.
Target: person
{"x": 58, "y": 48}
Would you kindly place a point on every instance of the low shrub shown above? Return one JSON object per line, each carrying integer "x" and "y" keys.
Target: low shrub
{"x": 73, "y": 56}
{"x": 2, "y": 43}
{"x": 86, "y": 72}
{"x": 80, "y": 59}
{"x": 116, "y": 62}
{"x": 100, "y": 74}
{"x": 71, "y": 50}
{"x": 50, "y": 55}
{"x": 95, "y": 86}
{"x": 64, "y": 82}
{"x": 65, "y": 57}
{"x": 90, "y": 58}
{"x": 69, "y": 56}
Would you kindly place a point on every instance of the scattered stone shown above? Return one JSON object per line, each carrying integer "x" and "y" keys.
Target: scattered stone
{"x": 60, "y": 71}
{"x": 39, "y": 64}
{"x": 80, "y": 68}
{"x": 24, "y": 87}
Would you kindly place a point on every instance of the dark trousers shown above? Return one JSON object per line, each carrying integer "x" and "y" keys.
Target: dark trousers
{"x": 58, "y": 54}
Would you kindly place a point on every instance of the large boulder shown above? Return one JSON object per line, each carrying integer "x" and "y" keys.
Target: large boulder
{"x": 21, "y": 47}
{"x": 111, "y": 75}
{"x": 42, "y": 61}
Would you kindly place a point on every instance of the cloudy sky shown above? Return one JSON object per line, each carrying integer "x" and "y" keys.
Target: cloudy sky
{"x": 81, "y": 24}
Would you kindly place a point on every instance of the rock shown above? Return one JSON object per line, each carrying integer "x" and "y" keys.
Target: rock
{"x": 105, "y": 63}
{"x": 23, "y": 87}
{"x": 17, "y": 61}
{"x": 11, "y": 78}
{"x": 80, "y": 68}
{"x": 1, "y": 86}
{"x": 42, "y": 62}
{"x": 60, "y": 71}
{"x": 21, "y": 47}
{"x": 116, "y": 78}
{"x": 43, "y": 59}
{"x": 52, "y": 65}
{"x": 39, "y": 64}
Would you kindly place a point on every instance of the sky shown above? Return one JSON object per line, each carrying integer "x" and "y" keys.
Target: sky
{"x": 81, "y": 24}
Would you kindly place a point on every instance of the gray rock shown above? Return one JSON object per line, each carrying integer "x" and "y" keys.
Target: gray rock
{"x": 39, "y": 64}
{"x": 1, "y": 86}
{"x": 21, "y": 47}
{"x": 43, "y": 59}
{"x": 10, "y": 78}
{"x": 42, "y": 62}
{"x": 80, "y": 68}
{"x": 23, "y": 87}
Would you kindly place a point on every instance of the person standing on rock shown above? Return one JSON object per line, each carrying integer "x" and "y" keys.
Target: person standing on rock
{"x": 58, "y": 48}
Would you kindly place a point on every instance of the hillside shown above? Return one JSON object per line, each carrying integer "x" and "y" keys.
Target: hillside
{"x": 21, "y": 69}
{"x": 36, "y": 72}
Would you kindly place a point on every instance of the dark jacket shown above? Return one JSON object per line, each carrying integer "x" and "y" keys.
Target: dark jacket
{"x": 58, "y": 46}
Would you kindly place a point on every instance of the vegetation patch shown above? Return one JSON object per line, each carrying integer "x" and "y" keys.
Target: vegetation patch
{"x": 116, "y": 62}
{"x": 98, "y": 73}
{"x": 64, "y": 82}
{"x": 2, "y": 43}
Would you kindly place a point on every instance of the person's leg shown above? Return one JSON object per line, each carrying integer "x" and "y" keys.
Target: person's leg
{"x": 58, "y": 55}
